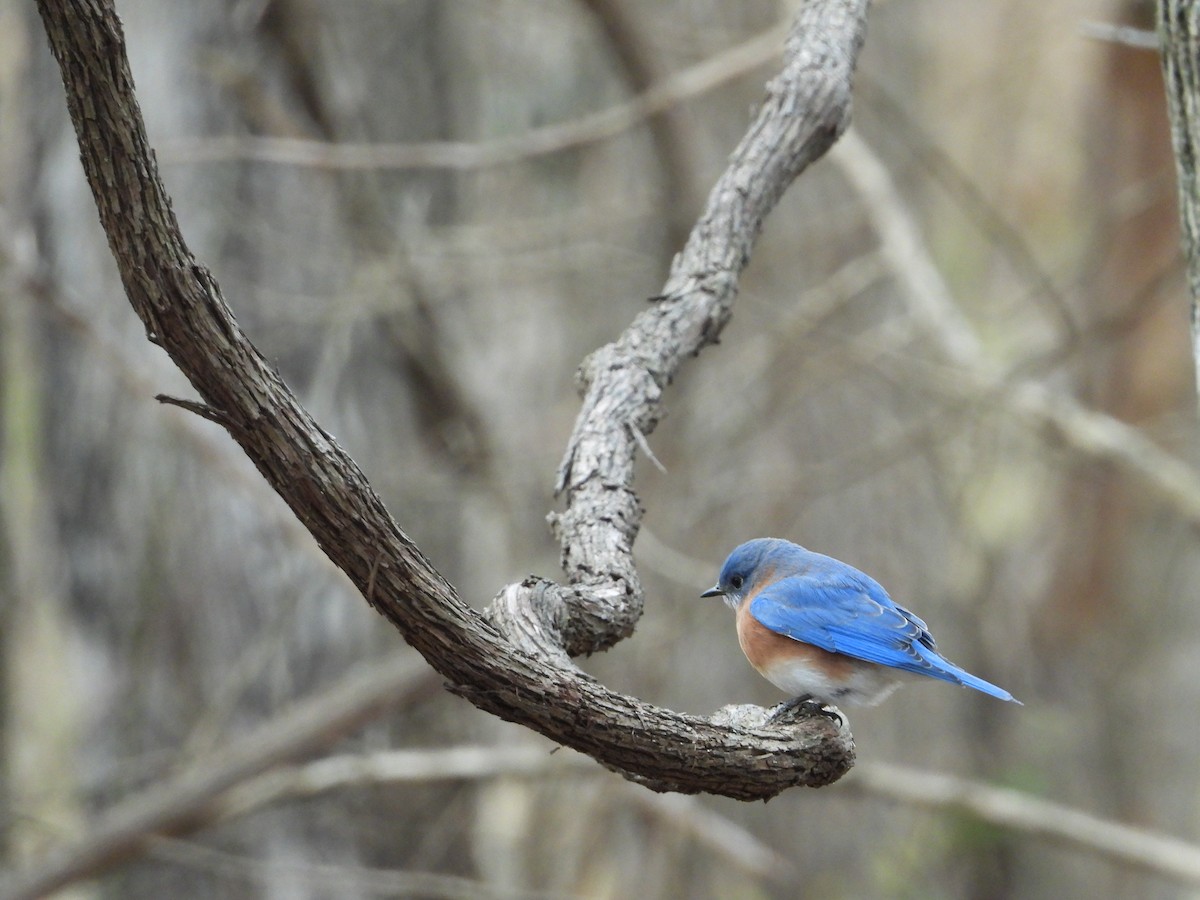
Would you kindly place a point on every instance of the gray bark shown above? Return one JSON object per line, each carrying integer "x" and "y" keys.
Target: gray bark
{"x": 1179, "y": 36}
{"x": 514, "y": 660}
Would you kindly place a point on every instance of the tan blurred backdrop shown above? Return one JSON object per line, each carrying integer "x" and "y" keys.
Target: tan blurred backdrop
{"x": 156, "y": 602}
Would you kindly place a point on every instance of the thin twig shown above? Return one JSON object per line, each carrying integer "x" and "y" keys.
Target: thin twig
{"x": 644, "y": 446}
{"x": 203, "y": 410}
{"x": 1138, "y": 38}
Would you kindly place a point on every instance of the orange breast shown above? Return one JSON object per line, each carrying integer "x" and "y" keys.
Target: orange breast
{"x": 767, "y": 650}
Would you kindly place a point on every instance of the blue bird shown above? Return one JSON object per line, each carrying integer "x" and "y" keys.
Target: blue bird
{"x": 822, "y": 630}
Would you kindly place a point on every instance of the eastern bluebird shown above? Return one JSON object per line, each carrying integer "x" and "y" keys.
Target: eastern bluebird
{"x": 822, "y": 630}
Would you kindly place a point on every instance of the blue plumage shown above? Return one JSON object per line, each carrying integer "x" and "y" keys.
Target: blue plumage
{"x": 825, "y": 603}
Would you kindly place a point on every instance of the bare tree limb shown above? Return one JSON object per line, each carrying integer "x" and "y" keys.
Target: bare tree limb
{"x": 1135, "y": 847}
{"x": 513, "y": 662}
{"x": 1059, "y": 416}
{"x": 182, "y": 803}
{"x": 1006, "y": 808}
{"x": 1179, "y": 41}
{"x": 721, "y": 835}
{"x": 798, "y": 122}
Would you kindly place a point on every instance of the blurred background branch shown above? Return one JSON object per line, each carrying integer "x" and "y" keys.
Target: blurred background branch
{"x": 656, "y": 96}
{"x": 1059, "y": 417}
{"x": 1007, "y": 808}
{"x": 184, "y": 803}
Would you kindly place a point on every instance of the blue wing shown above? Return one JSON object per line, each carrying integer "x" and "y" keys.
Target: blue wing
{"x": 840, "y": 609}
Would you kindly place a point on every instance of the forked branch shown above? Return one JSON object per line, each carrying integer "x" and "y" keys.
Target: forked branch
{"x": 513, "y": 661}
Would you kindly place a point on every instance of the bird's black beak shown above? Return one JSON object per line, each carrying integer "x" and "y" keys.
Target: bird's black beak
{"x": 714, "y": 591}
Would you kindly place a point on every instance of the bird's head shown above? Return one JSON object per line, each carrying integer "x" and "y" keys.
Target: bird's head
{"x": 746, "y": 567}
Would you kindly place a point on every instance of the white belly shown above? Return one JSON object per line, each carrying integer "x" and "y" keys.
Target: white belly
{"x": 867, "y": 685}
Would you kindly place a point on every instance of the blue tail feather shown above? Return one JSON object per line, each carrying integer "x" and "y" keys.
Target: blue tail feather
{"x": 948, "y": 671}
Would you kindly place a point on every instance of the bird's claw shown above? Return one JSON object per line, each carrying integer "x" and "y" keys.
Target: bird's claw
{"x": 803, "y": 708}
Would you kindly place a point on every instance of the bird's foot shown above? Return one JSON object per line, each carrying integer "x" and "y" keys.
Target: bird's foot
{"x": 804, "y": 707}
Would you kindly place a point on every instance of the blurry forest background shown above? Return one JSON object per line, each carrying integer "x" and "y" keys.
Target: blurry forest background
{"x": 1002, "y": 216}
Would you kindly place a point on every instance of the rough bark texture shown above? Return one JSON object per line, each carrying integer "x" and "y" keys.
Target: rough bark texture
{"x": 513, "y": 661}
{"x": 1179, "y": 36}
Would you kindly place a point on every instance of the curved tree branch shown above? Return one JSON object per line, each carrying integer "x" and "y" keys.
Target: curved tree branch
{"x": 514, "y": 660}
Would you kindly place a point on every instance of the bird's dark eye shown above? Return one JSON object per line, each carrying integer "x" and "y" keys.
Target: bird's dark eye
{"x": 736, "y": 581}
